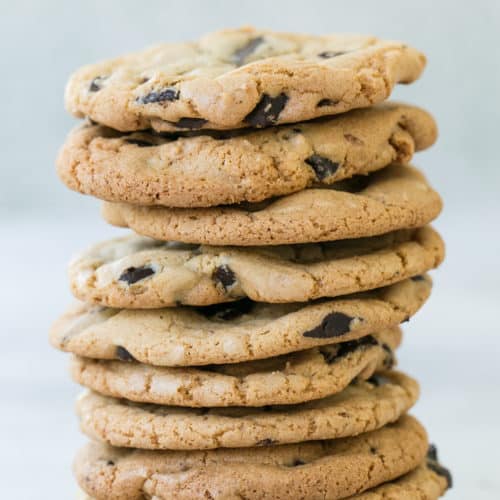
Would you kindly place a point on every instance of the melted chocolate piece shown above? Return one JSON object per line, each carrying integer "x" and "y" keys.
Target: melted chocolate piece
{"x": 432, "y": 452}
{"x": 323, "y": 167}
{"x": 159, "y": 96}
{"x": 328, "y": 54}
{"x": 333, "y": 325}
{"x": 338, "y": 351}
{"x": 419, "y": 277}
{"x": 326, "y": 102}
{"x": 96, "y": 83}
{"x": 227, "y": 311}
{"x": 123, "y": 354}
{"x": 267, "y": 110}
{"x": 224, "y": 275}
{"x": 441, "y": 471}
{"x": 132, "y": 275}
{"x": 242, "y": 53}
{"x": 190, "y": 123}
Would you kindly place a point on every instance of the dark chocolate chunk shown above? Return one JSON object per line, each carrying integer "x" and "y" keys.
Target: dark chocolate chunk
{"x": 373, "y": 450}
{"x": 123, "y": 354}
{"x": 224, "y": 275}
{"x": 159, "y": 96}
{"x": 190, "y": 123}
{"x": 266, "y": 442}
{"x": 242, "y": 53}
{"x": 132, "y": 275}
{"x": 323, "y": 167}
{"x": 338, "y": 351}
{"x": 326, "y": 102}
{"x": 432, "y": 452}
{"x": 333, "y": 325}
{"x": 328, "y": 54}
{"x": 96, "y": 83}
{"x": 389, "y": 357}
{"x": 139, "y": 142}
{"x": 267, "y": 110}
{"x": 441, "y": 471}
{"x": 379, "y": 380}
{"x": 419, "y": 277}
{"x": 227, "y": 311}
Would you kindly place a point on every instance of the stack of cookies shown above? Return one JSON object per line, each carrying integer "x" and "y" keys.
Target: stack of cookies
{"x": 240, "y": 342}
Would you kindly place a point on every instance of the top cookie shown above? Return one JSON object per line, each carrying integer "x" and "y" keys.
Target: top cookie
{"x": 241, "y": 78}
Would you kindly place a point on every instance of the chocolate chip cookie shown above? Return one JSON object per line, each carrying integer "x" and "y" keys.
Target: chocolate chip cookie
{"x": 217, "y": 169}
{"x": 241, "y": 78}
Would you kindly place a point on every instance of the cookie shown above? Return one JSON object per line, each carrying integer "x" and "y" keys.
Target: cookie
{"x": 288, "y": 379}
{"x": 313, "y": 471}
{"x": 241, "y": 78}
{"x": 235, "y": 332}
{"x": 203, "y": 170}
{"x": 429, "y": 481}
{"x": 360, "y": 407}
{"x": 422, "y": 483}
{"x": 137, "y": 272}
{"x": 394, "y": 198}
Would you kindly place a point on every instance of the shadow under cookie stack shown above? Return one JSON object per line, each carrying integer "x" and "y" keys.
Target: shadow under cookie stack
{"x": 239, "y": 343}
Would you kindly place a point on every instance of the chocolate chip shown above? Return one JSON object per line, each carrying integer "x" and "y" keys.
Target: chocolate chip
{"x": 373, "y": 450}
{"x": 298, "y": 462}
{"x": 389, "y": 357}
{"x": 441, "y": 471}
{"x": 224, "y": 275}
{"x": 139, "y": 142}
{"x": 338, "y": 351}
{"x": 242, "y": 53}
{"x": 190, "y": 123}
{"x": 419, "y": 277}
{"x": 323, "y": 167}
{"x": 266, "y": 442}
{"x": 110, "y": 462}
{"x": 228, "y": 311}
{"x": 379, "y": 380}
{"x": 96, "y": 83}
{"x": 432, "y": 452}
{"x": 169, "y": 94}
{"x": 123, "y": 354}
{"x": 267, "y": 110}
{"x": 333, "y": 325}
{"x": 132, "y": 275}
{"x": 328, "y": 54}
{"x": 326, "y": 102}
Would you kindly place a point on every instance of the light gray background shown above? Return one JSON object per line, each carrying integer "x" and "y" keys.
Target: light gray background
{"x": 452, "y": 347}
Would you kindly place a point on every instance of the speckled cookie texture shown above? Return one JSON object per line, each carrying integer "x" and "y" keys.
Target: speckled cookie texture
{"x": 288, "y": 379}
{"x": 429, "y": 481}
{"x": 219, "y": 169}
{"x": 138, "y": 272}
{"x": 396, "y": 197}
{"x": 307, "y": 471}
{"x": 234, "y": 332}
{"x": 241, "y": 78}
{"x": 361, "y": 407}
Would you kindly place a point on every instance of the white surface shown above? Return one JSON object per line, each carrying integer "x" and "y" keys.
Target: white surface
{"x": 452, "y": 347}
